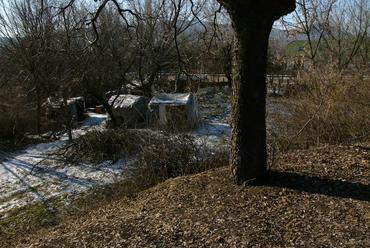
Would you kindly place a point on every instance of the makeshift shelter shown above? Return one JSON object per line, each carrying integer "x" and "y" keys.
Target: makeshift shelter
{"x": 129, "y": 109}
{"x": 175, "y": 111}
{"x": 77, "y": 107}
{"x": 55, "y": 108}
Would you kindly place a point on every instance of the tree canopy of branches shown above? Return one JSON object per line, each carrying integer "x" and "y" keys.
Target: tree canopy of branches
{"x": 336, "y": 31}
{"x": 105, "y": 44}
{"x": 252, "y": 22}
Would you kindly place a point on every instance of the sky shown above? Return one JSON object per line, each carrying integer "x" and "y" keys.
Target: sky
{"x": 276, "y": 25}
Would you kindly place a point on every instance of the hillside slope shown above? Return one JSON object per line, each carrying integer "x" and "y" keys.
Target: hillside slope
{"x": 315, "y": 198}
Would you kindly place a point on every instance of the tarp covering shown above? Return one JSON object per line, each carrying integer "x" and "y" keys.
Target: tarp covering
{"x": 171, "y": 99}
{"x": 176, "y": 111}
{"x": 129, "y": 109}
{"x": 54, "y": 108}
{"x": 124, "y": 101}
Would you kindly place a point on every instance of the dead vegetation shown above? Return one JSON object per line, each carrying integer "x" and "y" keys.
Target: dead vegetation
{"x": 17, "y": 117}
{"x": 101, "y": 145}
{"x": 316, "y": 198}
{"x": 158, "y": 156}
{"x": 329, "y": 108}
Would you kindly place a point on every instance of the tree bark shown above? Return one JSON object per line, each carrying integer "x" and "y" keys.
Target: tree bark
{"x": 38, "y": 109}
{"x": 252, "y": 21}
{"x": 249, "y": 153}
{"x": 109, "y": 110}
{"x": 68, "y": 118}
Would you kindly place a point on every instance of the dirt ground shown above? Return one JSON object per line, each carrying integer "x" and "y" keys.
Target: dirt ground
{"x": 313, "y": 198}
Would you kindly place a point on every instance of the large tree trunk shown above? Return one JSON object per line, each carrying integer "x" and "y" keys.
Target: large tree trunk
{"x": 252, "y": 21}
{"x": 249, "y": 153}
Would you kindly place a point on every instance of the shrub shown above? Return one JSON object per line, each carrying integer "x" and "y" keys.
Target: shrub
{"x": 178, "y": 155}
{"x": 332, "y": 109}
{"x": 160, "y": 155}
{"x": 101, "y": 145}
{"x": 17, "y": 117}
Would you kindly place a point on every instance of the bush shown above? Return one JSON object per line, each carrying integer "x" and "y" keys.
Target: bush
{"x": 160, "y": 155}
{"x": 102, "y": 145}
{"x": 332, "y": 109}
{"x": 172, "y": 156}
{"x": 17, "y": 117}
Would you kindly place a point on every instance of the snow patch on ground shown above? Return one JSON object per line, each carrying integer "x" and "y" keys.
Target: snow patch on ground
{"x": 212, "y": 134}
{"x": 215, "y": 130}
{"x": 24, "y": 180}
{"x": 36, "y": 175}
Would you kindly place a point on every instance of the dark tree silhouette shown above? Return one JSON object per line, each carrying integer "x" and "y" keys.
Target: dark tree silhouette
{"x": 252, "y": 21}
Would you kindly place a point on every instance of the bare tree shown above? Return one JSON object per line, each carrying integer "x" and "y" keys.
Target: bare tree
{"x": 162, "y": 31}
{"x": 347, "y": 31}
{"x": 310, "y": 19}
{"x": 28, "y": 29}
{"x": 252, "y": 21}
{"x": 334, "y": 30}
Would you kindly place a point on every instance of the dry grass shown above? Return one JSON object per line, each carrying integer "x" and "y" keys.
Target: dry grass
{"x": 332, "y": 109}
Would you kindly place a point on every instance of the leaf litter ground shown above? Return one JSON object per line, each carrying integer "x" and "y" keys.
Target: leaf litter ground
{"x": 313, "y": 198}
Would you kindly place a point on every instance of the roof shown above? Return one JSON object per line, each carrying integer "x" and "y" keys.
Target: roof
{"x": 75, "y": 99}
{"x": 54, "y": 102}
{"x": 170, "y": 99}
{"x": 58, "y": 102}
{"x": 124, "y": 101}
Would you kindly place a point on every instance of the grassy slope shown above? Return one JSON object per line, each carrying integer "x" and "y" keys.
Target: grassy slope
{"x": 316, "y": 198}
